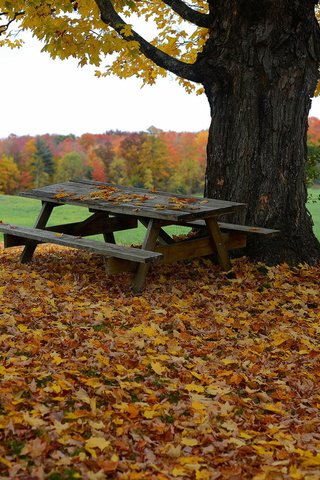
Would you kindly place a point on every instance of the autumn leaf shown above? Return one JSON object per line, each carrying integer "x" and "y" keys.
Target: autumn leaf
{"x": 185, "y": 379}
{"x": 158, "y": 368}
{"x": 96, "y": 443}
{"x": 189, "y": 442}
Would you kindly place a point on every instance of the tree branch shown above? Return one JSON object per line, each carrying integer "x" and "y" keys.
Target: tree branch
{"x": 189, "y": 14}
{"x": 163, "y": 60}
{"x": 5, "y": 26}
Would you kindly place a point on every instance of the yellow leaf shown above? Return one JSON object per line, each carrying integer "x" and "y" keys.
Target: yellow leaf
{"x": 192, "y": 387}
{"x": 245, "y": 435}
{"x": 55, "y": 387}
{"x": 217, "y": 391}
{"x": 150, "y": 413}
{"x": 93, "y": 382}
{"x": 61, "y": 427}
{"x": 96, "y": 425}
{"x": 104, "y": 360}
{"x": 190, "y": 459}
{"x": 172, "y": 451}
{"x": 270, "y": 407}
{"x": 97, "y": 442}
{"x": 190, "y": 442}
{"x": 262, "y": 451}
{"x": 150, "y": 331}
{"x": 313, "y": 461}
{"x": 279, "y": 338}
{"x": 203, "y": 475}
{"x": 295, "y": 473}
{"x": 198, "y": 405}
{"x": 158, "y": 368}
{"x": 22, "y": 328}
{"x": 228, "y": 361}
{"x": 33, "y": 421}
{"x": 57, "y": 359}
{"x": 126, "y": 30}
{"x": 179, "y": 472}
{"x": 261, "y": 476}
{"x": 5, "y": 462}
{"x": 82, "y": 395}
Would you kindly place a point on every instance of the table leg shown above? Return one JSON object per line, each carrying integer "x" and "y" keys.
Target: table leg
{"x": 41, "y": 222}
{"x": 108, "y": 237}
{"x": 164, "y": 238}
{"x": 148, "y": 244}
{"x": 214, "y": 231}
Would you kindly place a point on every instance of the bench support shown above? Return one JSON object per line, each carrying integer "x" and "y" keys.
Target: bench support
{"x": 214, "y": 231}
{"x": 149, "y": 244}
{"x": 41, "y": 222}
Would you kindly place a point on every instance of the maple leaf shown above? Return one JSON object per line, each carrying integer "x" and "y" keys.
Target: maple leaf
{"x": 99, "y": 443}
{"x": 189, "y": 442}
{"x": 158, "y": 368}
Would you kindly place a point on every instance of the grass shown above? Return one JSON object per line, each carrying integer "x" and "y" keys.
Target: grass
{"x": 23, "y": 211}
{"x": 314, "y": 208}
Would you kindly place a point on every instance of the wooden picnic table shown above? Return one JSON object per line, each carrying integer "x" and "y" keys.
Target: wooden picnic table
{"x": 113, "y": 208}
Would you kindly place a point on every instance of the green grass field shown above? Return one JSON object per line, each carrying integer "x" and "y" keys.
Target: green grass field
{"x": 314, "y": 208}
{"x": 23, "y": 211}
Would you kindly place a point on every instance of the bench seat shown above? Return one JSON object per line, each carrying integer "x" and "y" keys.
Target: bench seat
{"x": 14, "y": 235}
{"x": 232, "y": 227}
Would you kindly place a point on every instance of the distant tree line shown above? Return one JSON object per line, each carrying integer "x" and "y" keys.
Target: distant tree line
{"x": 154, "y": 159}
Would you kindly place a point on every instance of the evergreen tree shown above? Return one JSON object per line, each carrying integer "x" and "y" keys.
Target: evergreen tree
{"x": 44, "y": 153}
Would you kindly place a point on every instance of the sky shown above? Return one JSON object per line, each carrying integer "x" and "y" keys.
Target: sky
{"x": 40, "y": 95}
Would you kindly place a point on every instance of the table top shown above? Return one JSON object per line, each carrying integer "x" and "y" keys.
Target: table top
{"x": 117, "y": 199}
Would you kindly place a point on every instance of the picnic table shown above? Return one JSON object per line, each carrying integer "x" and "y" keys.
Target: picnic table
{"x": 112, "y": 208}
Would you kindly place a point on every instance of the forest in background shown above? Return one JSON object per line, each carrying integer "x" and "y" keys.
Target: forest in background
{"x": 153, "y": 159}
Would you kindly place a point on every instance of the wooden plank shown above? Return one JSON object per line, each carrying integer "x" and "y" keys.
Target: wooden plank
{"x": 41, "y": 222}
{"x": 98, "y": 223}
{"x": 148, "y": 244}
{"x": 108, "y": 249}
{"x": 163, "y": 237}
{"x": 185, "y": 250}
{"x": 108, "y": 236}
{"x": 198, "y": 247}
{"x": 234, "y": 227}
{"x": 214, "y": 231}
{"x": 157, "y": 206}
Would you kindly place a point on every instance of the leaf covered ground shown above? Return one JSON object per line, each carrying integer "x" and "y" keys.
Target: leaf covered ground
{"x": 205, "y": 376}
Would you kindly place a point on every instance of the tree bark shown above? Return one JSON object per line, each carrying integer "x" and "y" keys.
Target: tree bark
{"x": 261, "y": 69}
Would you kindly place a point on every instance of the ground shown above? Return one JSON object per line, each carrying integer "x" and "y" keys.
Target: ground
{"x": 205, "y": 376}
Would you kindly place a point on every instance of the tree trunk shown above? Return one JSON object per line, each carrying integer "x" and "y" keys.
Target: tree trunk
{"x": 266, "y": 54}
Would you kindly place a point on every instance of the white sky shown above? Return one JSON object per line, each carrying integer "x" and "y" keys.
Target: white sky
{"x": 40, "y": 95}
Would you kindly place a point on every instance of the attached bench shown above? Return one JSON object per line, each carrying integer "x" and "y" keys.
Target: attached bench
{"x": 232, "y": 227}
{"x": 15, "y": 235}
